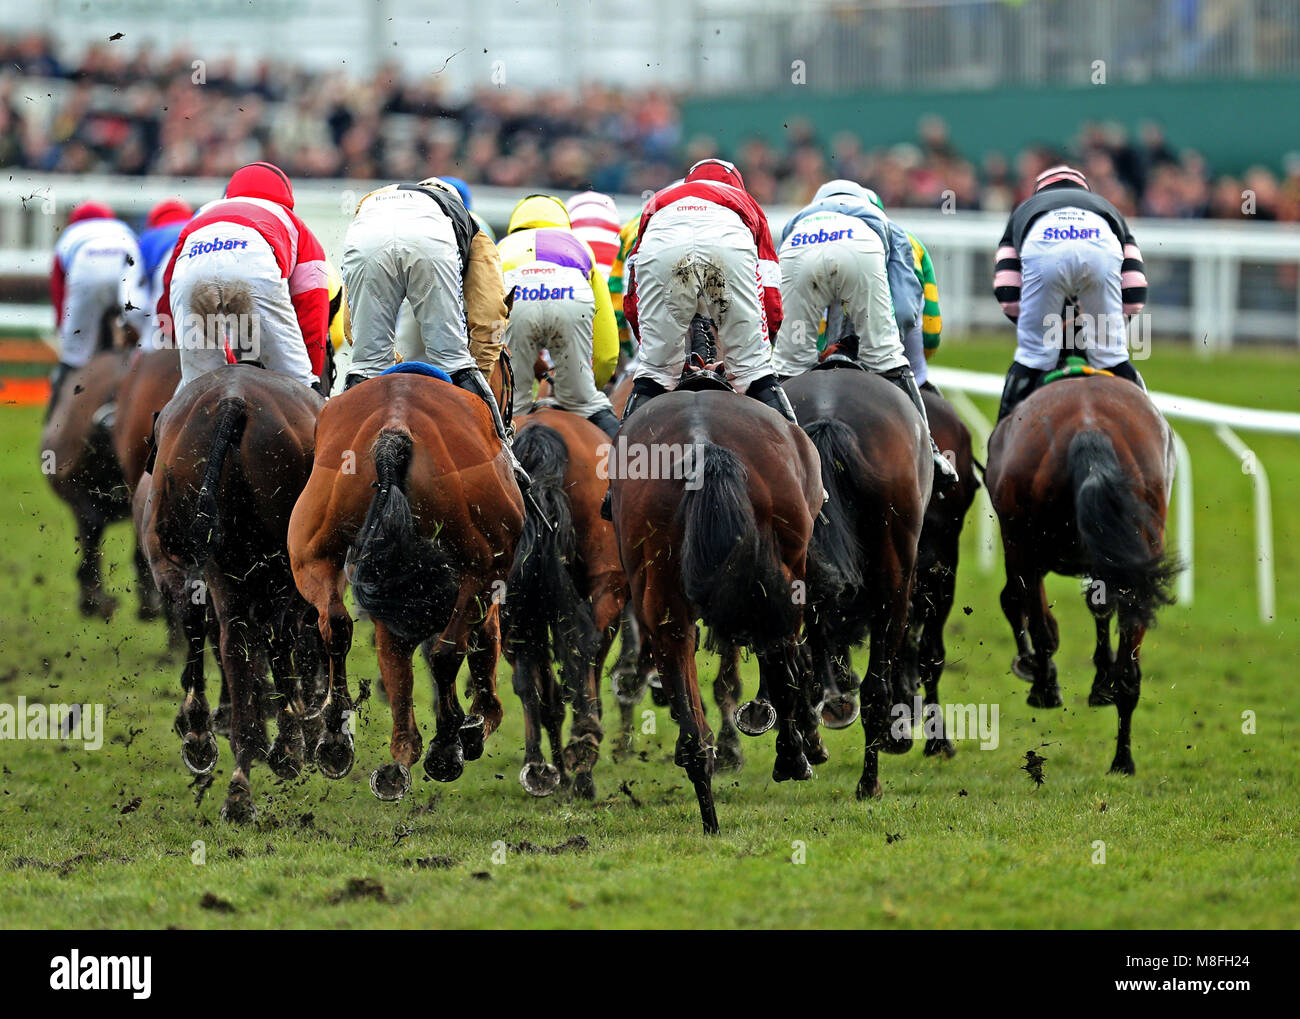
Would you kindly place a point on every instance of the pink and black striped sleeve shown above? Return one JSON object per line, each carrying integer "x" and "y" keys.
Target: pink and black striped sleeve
{"x": 1133, "y": 277}
{"x": 1006, "y": 276}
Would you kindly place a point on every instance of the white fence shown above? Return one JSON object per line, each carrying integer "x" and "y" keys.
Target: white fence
{"x": 1226, "y": 420}
{"x": 1215, "y": 282}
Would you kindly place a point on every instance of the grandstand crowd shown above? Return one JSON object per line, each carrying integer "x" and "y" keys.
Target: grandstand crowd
{"x": 135, "y": 111}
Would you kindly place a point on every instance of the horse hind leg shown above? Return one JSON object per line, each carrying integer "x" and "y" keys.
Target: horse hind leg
{"x": 194, "y": 724}
{"x": 782, "y": 682}
{"x": 587, "y": 731}
{"x": 726, "y": 694}
{"x": 1103, "y": 659}
{"x": 93, "y": 601}
{"x": 675, "y": 656}
{"x": 1127, "y": 673}
{"x": 629, "y": 681}
{"x": 392, "y": 781}
{"x": 932, "y": 654}
{"x": 288, "y": 752}
{"x": 1045, "y": 692}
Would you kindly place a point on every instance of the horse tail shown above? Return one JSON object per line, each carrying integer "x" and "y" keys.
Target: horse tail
{"x": 835, "y": 553}
{"x": 215, "y": 302}
{"x": 1116, "y": 528}
{"x": 196, "y": 543}
{"x": 400, "y": 578}
{"x": 730, "y": 570}
{"x": 541, "y": 592}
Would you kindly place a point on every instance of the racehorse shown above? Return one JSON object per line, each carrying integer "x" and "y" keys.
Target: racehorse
{"x": 725, "y": 540}
{"x": 1080, "y": 475}
{"x": 877, "y": 468}
{"x": 149, "y": 381}
{"x": 566, "y": 590}
{"x": 938, "y": 552}
{"x": 77, "y": 456}
{"x": 234, "y": 450}
{"x": 411, "y": 499}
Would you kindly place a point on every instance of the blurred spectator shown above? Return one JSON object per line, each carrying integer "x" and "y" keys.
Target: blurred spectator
{"x": 124, "y": 111}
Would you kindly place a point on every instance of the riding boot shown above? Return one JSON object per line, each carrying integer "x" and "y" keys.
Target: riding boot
{"x": 644, "y": 389}
{"x": 471, "y": 380}
{"x": 768, "y": 390}
{"x": 605, "y": 420}
{"x": 945, "y": 472}
{"x": 352, "y": 380}
{"x": 61, "y": 372}
{"x": 1125, "y": 370}
{"x": 1021, "y": 381}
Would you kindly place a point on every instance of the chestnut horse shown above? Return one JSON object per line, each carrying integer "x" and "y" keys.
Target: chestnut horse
{"x": 412, "y": 494}
{"x": 566, "y": 591}
{"x": 877, "y": 468}
{"x": 234, "y": 450}
{"x": 77, "y": 456}
{"x": 1080, "y": 475}
{"x": 725, "y": 540}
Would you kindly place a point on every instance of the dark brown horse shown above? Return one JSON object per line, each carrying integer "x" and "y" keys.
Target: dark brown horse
{"x": 566, "y": 592}
{"x": 1080, "y": 475}
{"x": 877, "y": 468}
{"x": 234, "y": 450}
{"x": 938, "y": 552}
{"x": 718, "y": 531}
{"x": 150, "y": 380}
{"x": 412, "y": 493}
{"x": 77, "y": 456}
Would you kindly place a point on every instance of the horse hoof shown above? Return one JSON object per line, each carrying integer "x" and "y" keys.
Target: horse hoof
{"x": 1123, "y": 766}
{"x": 658, "y": 695}
{"x": 221, "y": 720}
{"x": 100, "y": 605}
{"x": 796, "y": 769}
{"x": 334, "y": 754}
{"x": 391, "y": 782}
{"x": 891, "y": 745}
{"x": 1050, "y": 698}
{"x": 445, "y": 762}
{"x": 539, "y": 778}
{"x": 754, "y": 718}
{"x": 199, "y": 753}
{"x": 729, "y": 757}
{"x": 471, "y": 737}
{"x": 940, "y": 748}
{"x": 866, "y": 792}
{"x": 283, "y": 761}
{"x": 838, "y": 711}
{"x": 816, "y": 752}
{"x": 239, "y": 808}
{"x": 1022, "y": 667}
{"x": 584, "y": 785}
{"x": 1101, "y": 698}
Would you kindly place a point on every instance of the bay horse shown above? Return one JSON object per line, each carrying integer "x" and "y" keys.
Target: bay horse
{"x": 235, "y": 448}
{"x": 411, "y": 500}
{"x": 77, "y": 456}
{"x": 566, "y": 592}
{"x": 877, "y": 467}
{"x": 725, "y": 541}
{"x": 1080, "y": 475}
{"x": 938, "y": 553}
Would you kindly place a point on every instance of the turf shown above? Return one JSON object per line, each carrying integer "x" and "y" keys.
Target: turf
{"x": 1204, "y": 836}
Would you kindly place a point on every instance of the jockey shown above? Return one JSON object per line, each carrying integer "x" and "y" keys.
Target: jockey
{"x": 704, "y": 246}
{"x": 248, "y": 255}
{"x": 560, "y": 302}
{"x": 828, "y": 259}
{"x": 418, "y": 242}
{"x": 95, "y": 273}
{"x": 594, "y": 218}
{"x": 922, "y": 339}
{"x": 617, "y": 279}
{"x": 1066, "y": 245}
{"x": 162, "y": 228}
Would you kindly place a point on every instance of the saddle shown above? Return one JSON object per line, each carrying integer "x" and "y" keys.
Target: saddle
{"x": 843, "y": 353}
{"x": 1072, "y": 367}
{"x": 417, "y": 368}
